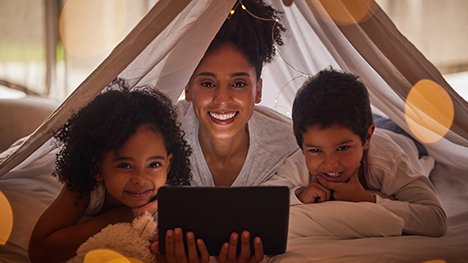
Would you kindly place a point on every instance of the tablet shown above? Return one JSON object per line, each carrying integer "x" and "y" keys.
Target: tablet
{"x": 213, "y": 213}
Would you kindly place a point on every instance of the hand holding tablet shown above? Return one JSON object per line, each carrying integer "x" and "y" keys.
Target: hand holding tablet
{"x": 213, "y": 214}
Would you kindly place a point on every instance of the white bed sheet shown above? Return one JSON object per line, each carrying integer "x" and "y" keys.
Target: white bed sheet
{"x": 452, "y": 189}
{"x": 30, "y": 193}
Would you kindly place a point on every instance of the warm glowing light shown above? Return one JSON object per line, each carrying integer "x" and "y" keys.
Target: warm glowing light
{"x": 90, "y": 27}
{"x": 232, "y": 12}
{"x": 287, "y": 2}
{"x": 6, "y": 219}
{"x": 243, "y": 7}
{"x": 343, "y": 12}
{"x": 435, "y": 261}
{"x": 429, "y": 111}
{"x": 107, "y": 256}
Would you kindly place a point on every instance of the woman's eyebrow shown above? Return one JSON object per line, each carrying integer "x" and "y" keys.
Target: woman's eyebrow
{"x": 237, "y": 74}
{"x": 209, "y": 74}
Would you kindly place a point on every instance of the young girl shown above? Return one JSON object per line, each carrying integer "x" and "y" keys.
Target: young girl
{"x": 117, "y": 152}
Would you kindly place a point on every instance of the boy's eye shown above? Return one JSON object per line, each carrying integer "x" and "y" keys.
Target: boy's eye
{"x": 342, "y": 148}
{"x": 154, "y": 164}
{"x": 314, "y": 150}
{"x": 239, "y": 84}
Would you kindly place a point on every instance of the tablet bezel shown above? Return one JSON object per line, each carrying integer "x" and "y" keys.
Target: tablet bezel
{"x": 213, "y": 213}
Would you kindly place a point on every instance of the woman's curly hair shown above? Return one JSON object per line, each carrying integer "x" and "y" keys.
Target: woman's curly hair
{"x": 106, "y": 123}
{"x": 254, "y": 37}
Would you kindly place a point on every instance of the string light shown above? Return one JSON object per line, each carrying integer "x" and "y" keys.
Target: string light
{"x": 276, "y": 20}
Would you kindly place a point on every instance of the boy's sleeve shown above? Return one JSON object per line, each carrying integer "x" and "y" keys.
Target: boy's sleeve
{"x": 293, "y": 174}
{"x": 411, "y": 197}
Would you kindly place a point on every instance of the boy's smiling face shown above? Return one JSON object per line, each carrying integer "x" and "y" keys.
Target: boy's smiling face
{"x": 333, "y": 153}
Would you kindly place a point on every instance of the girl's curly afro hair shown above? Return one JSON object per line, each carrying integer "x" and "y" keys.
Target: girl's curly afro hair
{"x": 106, "y": 123}
{"x": 253, "y": 36}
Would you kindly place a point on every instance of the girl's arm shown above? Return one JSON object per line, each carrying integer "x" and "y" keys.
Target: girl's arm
{"x": 57, "y": 236}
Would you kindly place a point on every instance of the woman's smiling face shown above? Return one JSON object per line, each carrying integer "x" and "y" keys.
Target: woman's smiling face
{"x": 223, "y": 90}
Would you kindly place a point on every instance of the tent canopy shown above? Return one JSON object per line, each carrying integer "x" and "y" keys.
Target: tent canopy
{"x": 358, "y": 37}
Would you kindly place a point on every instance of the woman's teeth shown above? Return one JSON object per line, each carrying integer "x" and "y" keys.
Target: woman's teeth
{"x": 222, "y": 116}
{"x": 333, "y": 174}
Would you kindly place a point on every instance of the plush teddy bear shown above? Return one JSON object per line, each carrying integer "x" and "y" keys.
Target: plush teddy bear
{"x": 131, "y": 240}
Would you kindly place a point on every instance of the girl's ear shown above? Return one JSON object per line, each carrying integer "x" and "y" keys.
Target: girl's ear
{"x": 370, "y": 132}
{"x": 98, "y": 176}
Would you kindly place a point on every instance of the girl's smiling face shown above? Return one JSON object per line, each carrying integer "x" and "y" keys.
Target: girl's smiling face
{"x": 333, "y": 153}
{"x": 223, "y": 90}
{"x": 134, "y": 174}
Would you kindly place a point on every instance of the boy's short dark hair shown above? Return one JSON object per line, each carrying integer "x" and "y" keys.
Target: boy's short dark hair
{"x": 329, "y": 98}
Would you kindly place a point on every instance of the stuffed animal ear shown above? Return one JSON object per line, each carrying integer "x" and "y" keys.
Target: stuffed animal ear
{"x": 146, "y": 225}
{"x": 131, "y": 240}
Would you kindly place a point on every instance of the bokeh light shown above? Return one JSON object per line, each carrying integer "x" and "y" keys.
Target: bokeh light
{"x": 343, "y": 12}
{"x": 90, "y": 27}
{"x": 287, "y": 2}
{"x": 107, "y": 256}
{"x": 6, "y": 219}
{"x": 429, "y": 111}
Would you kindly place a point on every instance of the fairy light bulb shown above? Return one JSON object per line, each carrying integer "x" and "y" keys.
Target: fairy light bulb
{"x": 275, "y": 46}
{"x": 232, "y": 12}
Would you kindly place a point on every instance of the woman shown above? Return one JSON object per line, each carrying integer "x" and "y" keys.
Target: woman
{"x": 235, "y": 142}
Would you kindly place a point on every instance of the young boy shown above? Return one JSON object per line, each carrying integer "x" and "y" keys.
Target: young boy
{"x": 347, "y": 157}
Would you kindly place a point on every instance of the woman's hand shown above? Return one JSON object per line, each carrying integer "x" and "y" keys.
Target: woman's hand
{"x": 175, "y": 250}
{"x": 350, "y": 191}
{"x": 315, "y": 192}
{"x": 229, "y": 250}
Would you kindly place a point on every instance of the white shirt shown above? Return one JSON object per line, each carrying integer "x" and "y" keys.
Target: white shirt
{"x": 271, "y": 142}
{"x": 398, "y": 183}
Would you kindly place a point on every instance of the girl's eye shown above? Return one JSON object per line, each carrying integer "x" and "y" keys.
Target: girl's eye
{"x": 124, "y": 165}
{"x": 154, "y": 164}
{"x": 239, "y": 84}
{"x": 342, "y": 148}
{"x": 314, "y": 150}
{"x": 207, "y": 84}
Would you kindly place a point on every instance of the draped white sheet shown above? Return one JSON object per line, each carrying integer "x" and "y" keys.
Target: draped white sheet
{"x": 166, "y": 46}
{"x": 168, "y": 43}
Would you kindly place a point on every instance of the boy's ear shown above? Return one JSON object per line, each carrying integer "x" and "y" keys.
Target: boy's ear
{"x": 370, "y": 132}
